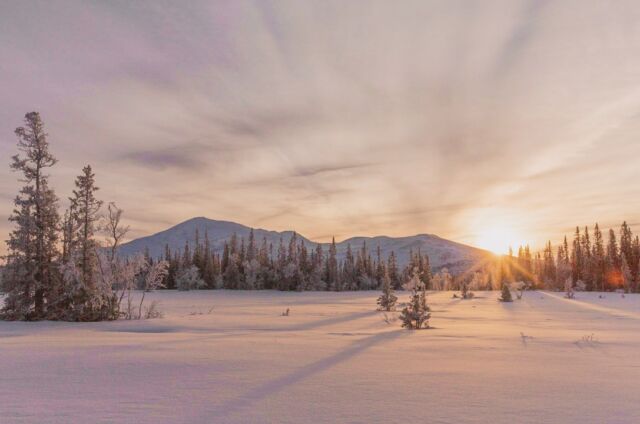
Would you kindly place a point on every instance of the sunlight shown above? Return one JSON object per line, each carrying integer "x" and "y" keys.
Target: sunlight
{"x": 497, "y": 239}
{"x": 496, "y": 229}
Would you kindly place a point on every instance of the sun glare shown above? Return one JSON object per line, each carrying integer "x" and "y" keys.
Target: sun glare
{"x": 497, "y": 239}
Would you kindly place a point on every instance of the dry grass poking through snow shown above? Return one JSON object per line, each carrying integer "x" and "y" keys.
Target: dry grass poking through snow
{"x": 232, "y": 357}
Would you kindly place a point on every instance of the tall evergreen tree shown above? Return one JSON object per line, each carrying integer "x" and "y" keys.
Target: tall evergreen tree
{"x": 332, "y": 278}
{"x": 86, "y": 208}
{"x": 31, "y": 275}
{"x": 84, "y": 298}
{"x": 392, "y": 269}
{"x": 577, "y": 257}
{"x": 599, "y": 263}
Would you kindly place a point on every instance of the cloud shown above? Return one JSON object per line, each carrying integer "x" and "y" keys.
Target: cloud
{"x": 333, "y": 118}
{"x": 520, "y": 36}
{"x": 182, "y": 158}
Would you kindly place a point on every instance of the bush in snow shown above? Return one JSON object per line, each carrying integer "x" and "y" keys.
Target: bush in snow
{"x": 152, "y": 311}
{"x": 189, "y": 279}
{"x": 465, "y": 293}
{"x": 387, "y": 300}
{"x": 506, "y": 294}
{"x": 519, "y": 287}
{"x": 416, "y": 314}
{"x": 153, "y": 279}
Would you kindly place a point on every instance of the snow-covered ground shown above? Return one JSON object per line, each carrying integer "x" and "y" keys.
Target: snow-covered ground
{"x": 220, "y": 357}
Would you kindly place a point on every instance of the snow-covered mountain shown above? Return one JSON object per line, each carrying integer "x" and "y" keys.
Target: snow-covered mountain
{"x": 455, "y": 256}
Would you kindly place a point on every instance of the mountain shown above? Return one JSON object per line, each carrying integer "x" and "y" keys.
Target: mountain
{"x": 442, "y": 253}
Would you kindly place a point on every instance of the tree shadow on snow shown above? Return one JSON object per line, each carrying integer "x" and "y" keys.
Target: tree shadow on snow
{"x": 269, "y": 388}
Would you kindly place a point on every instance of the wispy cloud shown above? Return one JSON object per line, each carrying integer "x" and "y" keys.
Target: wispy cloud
{"x": 331, "y": 117}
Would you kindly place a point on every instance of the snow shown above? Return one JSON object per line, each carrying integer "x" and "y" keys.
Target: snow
{"x": 230, "y": 357}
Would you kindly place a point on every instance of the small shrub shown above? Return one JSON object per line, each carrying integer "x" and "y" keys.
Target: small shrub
{"x": 506, "y": 294}
{"x": 416, "y": 314}
{"x": 152, "y": 311}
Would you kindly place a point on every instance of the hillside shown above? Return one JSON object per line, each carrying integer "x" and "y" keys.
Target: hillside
{"x": 441, "y": 252}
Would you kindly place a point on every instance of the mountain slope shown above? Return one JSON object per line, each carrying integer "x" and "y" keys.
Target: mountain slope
{"x": 441, "y": 252}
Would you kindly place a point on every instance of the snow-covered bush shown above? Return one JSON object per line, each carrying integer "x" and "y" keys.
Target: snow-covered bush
{"x": 465, "y": 293}
{"x": 519, "y": 287}
{"x": 189, "y": 279}
{"x": 152, "y": 311}
{"x": 79, "y": 301}
{"x": 153, "y": 279}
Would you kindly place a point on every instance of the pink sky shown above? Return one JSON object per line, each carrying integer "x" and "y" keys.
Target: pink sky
{"x": 455, "y": 118}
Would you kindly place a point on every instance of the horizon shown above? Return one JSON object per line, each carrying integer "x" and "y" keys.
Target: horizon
{"x": 342, "y": 240}
{"x": 497, "y": 126}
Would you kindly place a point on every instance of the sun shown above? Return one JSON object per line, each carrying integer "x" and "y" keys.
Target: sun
{"x": 497, "y": 239}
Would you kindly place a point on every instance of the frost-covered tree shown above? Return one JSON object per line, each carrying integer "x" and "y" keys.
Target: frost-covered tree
{"x": 83, "y": 297}
{"x": 232, "y": 276}
{"x": 569, "y": 289}
{"x": 316, "y": 280}
{"x": 189, "y": 279}
{"x": 332, "y": 277}
{"x": 251, "y": 270}
{"x": 392, "y": 269}
{"x": 153, "y": 279}
{"x": 349, "y": 270}
{"x": 387, "y": 300}
{"x": 116, "y": 273}
{"x": 416, "y": 314}
{"x": 32, "y": 277}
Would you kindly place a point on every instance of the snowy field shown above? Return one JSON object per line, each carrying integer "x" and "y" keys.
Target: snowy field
{"x": 230, "y": 357}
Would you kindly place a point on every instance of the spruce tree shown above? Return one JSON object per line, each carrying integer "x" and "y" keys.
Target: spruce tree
{"x": 31, "y": 276}
{"x": 598, "y": 260}
{"x": 387, "y": 300}
{"x": 506, "y": 293}
{"x": 392, "y": 269}
{"x": 84, "y": 298}
{"x": 332, "y": 277}
{"x": 416, "y": 314}
{"x": 381, "y": 269}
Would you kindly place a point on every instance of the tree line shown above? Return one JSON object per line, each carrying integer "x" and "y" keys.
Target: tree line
{"x": 588, "y": 262}
{"x": 254, "y": 265}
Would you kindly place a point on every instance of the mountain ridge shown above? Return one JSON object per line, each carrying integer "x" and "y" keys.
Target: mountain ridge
{"x": 442, "y": 252}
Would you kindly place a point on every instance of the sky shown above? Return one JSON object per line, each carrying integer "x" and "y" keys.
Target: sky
{"x": 484, "y": 122}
